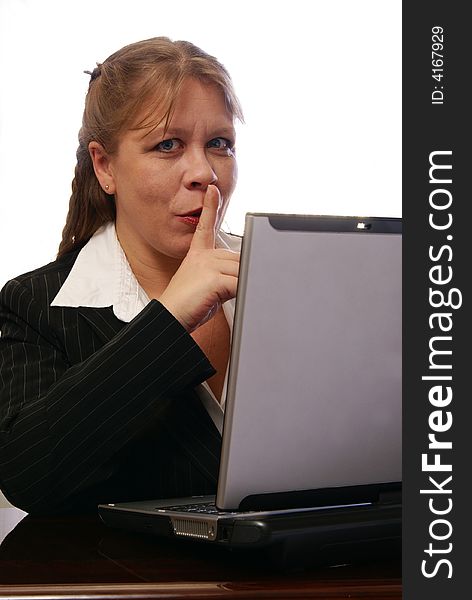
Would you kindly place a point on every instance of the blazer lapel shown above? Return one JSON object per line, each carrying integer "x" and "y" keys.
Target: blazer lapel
{"x": 103, "y": 322}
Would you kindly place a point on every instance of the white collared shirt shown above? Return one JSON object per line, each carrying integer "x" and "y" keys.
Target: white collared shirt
{"x": 101, "y": 276}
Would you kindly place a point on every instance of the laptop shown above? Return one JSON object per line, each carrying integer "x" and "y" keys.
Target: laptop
{"x": 311, "y": 446}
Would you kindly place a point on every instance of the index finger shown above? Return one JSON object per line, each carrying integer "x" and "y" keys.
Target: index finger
{"x": 204, "y": 236}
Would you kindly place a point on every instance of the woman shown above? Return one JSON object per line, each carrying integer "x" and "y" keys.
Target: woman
{"x": 104, "y": 350}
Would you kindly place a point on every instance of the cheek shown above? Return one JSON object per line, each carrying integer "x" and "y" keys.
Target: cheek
{"x": 228, "y": 179}
{"x": 151, "y": 190}
{"x": 159, "y": 182}
{"x": 235, "y": 176}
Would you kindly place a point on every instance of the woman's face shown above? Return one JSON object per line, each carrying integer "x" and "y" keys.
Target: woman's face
{"x": 159, "y": 181}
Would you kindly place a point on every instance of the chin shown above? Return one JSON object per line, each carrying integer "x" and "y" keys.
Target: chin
{"x": 174, "y": 245}
{"x": 180, "y": 252}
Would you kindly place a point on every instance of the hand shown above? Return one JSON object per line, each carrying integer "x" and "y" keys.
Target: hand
{"x": 207, "y": 276}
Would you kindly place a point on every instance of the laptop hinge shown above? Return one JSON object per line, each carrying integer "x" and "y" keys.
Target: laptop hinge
{"x": 387, "y": 493}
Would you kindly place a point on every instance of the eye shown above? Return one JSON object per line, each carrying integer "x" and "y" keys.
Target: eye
{"x": 221, "y": 143}
{"x": 169, "y": 145}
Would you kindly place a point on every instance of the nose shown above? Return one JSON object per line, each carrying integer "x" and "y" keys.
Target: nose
{"x": 198, "y": 172}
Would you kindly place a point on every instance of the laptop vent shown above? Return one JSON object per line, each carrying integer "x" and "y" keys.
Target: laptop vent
{"x": 194, "y": 528}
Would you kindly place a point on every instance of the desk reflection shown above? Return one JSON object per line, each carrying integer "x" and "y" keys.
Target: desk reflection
{"x": 78, "y": 556}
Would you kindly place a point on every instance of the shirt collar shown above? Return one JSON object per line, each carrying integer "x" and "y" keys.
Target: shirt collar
{"x": 101, "y": 276}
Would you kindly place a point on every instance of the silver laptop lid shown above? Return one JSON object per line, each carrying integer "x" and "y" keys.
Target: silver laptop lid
{"x": 314, "y": 391}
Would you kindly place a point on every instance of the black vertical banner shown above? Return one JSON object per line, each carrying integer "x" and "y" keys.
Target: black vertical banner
{"x": 437, "y": 137}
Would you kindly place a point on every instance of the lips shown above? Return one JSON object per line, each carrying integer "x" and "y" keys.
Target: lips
{"x": 192, "y": 213}
{"x": 192, "y": 217}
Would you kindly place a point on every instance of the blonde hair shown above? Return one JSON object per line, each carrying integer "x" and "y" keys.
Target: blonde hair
{"x": 147, "y": 73}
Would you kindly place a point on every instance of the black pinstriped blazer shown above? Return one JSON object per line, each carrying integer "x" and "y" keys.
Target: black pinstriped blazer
{"x": 96, "y": 410}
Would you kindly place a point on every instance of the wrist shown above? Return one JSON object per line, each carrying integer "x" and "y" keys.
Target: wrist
{"x": 171, "y": 306}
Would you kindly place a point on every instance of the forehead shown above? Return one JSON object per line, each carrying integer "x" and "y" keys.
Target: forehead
{"x": 196, "y": 101}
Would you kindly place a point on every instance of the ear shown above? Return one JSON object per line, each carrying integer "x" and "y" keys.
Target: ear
{"x": 102, "y": 167}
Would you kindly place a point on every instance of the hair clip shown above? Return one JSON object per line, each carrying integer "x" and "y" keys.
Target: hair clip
{"x": 95, "y": 73}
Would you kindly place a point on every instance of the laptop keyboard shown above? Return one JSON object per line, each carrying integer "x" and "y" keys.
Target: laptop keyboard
{"x": 207, "y": 508}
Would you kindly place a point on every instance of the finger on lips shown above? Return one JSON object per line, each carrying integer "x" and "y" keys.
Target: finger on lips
{"x": 204, "y": 236}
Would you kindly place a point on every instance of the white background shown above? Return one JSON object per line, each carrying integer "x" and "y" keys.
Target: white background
{"x": 320, "y": 85}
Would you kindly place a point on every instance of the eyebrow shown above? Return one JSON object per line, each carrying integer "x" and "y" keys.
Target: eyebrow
{"x": 180, "y": 131}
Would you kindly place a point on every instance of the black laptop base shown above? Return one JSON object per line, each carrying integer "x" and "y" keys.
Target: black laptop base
{"x": 320, "y": 537}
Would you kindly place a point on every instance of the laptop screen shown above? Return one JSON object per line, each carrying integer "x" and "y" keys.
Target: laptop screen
{"x": 314, "y": 392}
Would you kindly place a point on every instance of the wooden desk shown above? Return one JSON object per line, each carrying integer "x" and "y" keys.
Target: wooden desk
{"x": 78, "y": 557}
